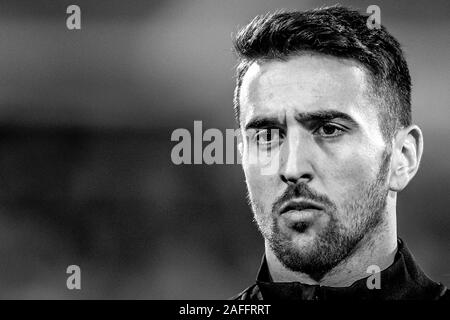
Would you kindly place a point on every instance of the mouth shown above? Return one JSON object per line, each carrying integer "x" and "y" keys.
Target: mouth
{"x": 300, "y": 216}
{"x": 299, "y": 206}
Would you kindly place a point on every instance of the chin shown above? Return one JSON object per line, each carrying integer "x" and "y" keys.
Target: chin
{"x": 304, "y": 242}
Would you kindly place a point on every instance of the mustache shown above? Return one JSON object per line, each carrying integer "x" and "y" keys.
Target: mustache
{"x": 303, "y": 191}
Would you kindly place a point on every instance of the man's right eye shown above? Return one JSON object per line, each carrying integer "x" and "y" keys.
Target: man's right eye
{"x": 266, "y": 137}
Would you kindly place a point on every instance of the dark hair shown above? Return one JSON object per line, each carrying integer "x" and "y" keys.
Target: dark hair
{"x": 339, "y": 32}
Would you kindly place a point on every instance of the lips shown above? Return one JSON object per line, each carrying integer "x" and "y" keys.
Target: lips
{"x": 299, "y": 206}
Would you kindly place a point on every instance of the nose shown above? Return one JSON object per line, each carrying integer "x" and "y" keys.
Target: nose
{"x": 296, "y": 160}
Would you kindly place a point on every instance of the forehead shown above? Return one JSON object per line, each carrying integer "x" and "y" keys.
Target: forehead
{"x": 305, "y": 83}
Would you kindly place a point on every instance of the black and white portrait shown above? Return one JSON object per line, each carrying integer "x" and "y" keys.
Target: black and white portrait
{"x": 211, "y": 150}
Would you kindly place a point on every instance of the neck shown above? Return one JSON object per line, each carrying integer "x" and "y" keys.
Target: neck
{"x": 376, "y": 248}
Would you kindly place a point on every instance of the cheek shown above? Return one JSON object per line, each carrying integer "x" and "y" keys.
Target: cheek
{"x": 347, "y": 176}
{"x": 261, "y": 187}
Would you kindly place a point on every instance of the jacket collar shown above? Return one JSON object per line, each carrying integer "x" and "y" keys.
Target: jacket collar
{"x": 402, "y": 280}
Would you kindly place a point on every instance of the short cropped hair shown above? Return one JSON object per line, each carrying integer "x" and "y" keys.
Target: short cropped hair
{"x": 336, "y": 31}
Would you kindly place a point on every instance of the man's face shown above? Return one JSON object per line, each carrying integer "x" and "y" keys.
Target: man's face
{"x": 328, "y": 184}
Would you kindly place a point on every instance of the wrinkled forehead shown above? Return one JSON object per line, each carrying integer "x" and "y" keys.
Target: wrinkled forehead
{"x": 305, "y": 83}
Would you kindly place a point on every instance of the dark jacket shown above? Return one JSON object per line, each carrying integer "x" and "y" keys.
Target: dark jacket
{"x": 403, "y": 280}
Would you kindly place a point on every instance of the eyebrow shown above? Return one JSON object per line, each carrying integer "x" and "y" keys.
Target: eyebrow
{"x": 262, "y": 122}
{"x": 324, "y": 116}
{"x": 316, "y": 116}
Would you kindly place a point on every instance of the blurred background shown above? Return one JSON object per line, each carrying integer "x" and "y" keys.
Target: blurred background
{"x": 86, "y": 118}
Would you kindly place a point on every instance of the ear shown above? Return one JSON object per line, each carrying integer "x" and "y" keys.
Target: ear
{"x": 406, "y": 155}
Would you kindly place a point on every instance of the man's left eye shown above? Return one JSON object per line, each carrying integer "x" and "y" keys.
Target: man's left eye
{"x": 329, "y": 130}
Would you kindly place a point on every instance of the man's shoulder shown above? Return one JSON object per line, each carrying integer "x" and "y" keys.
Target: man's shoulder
{"x": 250, "y": 293}
{"x": 445, "y": 295}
